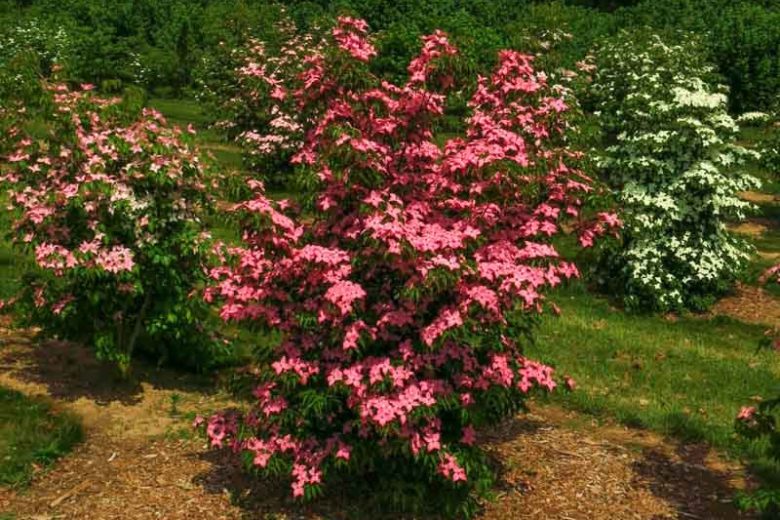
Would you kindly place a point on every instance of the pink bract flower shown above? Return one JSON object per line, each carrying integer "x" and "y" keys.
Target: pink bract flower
{"x": 343, "y": 295}
{"x": 350, "y": 36}
{"x": 116, "y": 259}
{"x": 746, "y": 413}
{"x": 451, "y": 470}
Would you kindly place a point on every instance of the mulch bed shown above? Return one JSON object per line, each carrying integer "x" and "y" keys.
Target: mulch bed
{"x": 751, "y": 305}
{"x": 139, "y": 462}
{"x": 552, "y": 472}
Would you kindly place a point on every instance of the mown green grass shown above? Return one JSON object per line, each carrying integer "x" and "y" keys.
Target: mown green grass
{"x": 180, "y": 111}
{"x": 225, "y": 156}
{"x": 31, "y": 432}
{"x": 686, "y": 377}
{"x": 183, "y": 112}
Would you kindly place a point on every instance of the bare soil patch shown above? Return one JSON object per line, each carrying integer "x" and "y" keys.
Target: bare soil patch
{"x": 757, "y": 197}
{"x": 153, "y": 402}
{"x": 750, "y": 304}
{"x": 752, "y": 228}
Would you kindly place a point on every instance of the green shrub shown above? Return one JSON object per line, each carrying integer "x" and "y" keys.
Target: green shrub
{"x": 561, "y": 33}
{"x": 745, "y": 44}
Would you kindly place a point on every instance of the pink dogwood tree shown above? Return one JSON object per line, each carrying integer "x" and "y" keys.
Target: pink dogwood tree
{"x": 404, "y": 298}
{"x": 110, "y": 212}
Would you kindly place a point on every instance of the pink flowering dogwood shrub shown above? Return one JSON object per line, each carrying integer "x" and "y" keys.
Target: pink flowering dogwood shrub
{"x": 109, "y": 211}
{"x": 405, "y": 298}
{"x": 258, "y": 110}
{"x": 277, "y": 127}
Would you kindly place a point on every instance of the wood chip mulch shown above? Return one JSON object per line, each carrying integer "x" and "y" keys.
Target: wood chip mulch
{"x": 552, "y": 471}
{"x": 564, "y": 471}
{"x": 139, "y": 462}
{"x": 751, "y": 305}
{"x": 109, "y": 478}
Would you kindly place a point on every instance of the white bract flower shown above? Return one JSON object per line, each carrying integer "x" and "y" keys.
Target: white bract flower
{"x": 753, "y": 118}
{"x": 674, "y": 163}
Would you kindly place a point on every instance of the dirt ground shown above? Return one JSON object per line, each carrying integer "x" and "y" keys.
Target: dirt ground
{"x": 141, "y": 461}
{"x": 751, "y": 305}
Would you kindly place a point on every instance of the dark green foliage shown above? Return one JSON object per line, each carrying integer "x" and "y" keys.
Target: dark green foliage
{"x": 742, "y": 37}
{"x": 770, "y": 152}
{"x": 569, "y": 31}
{"x": 161, "y": 43}
{"x": 746, "y": 46}
{"x": 153, "y": 43}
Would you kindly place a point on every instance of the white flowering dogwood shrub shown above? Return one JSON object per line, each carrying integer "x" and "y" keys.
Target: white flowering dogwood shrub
{"x": 49, "y": 43}
{"x": 110, "y": 212}
{"x": 671, "y": 157}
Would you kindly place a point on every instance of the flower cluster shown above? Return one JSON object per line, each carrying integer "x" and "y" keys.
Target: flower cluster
{"x": 259, "y": 110}
{"x": 274, "y": 130}
{"x": 404, "y": 299}
{"x": 672, "y": 159}
{"x": 111, "y": 213}
{"x": 350, "y": 35}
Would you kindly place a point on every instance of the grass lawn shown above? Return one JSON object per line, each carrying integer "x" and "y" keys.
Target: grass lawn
{"x": 31, "y": 433}
{"x": 183, "y": 112}
{"x": 686, "y": 378}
